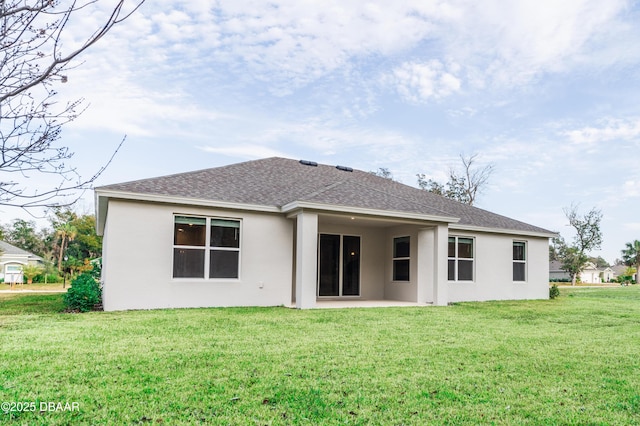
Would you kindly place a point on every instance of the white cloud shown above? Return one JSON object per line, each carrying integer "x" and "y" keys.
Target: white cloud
{"x": 245, "y": 151}
{"x": 513, "y": 42}
{"x": 421, "y": 82}
{"x": 631, "y": 189}
{"x": 608, "y": 130}
{"x": 632, "y": 226}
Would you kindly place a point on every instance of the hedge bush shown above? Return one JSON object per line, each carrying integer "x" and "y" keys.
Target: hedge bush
{"x": 554, "y": 292}
{"x": 84, "y": 294}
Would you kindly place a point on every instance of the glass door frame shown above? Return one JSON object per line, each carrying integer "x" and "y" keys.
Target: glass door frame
{"x": 342, "y": 267}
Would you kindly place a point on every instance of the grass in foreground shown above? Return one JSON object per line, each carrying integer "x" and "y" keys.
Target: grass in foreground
{"x": 573, "y": 360}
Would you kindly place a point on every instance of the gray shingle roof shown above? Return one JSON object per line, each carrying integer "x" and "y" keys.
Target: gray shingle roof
{"x": 8, "y": 249}
{"x": 276, "y": 182}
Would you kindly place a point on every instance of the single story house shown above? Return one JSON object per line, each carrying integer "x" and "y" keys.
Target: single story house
{"x": 556, "y": 272}
{"x": 12, "y": 259}
{"x": 277, "y": 231}
{"x": 621, "y": 270}
{"x": 590, "y": 274}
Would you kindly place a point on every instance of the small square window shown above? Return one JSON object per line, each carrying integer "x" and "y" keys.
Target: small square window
{"x": 401, "y": 258}
{"x": 201, "y": 254}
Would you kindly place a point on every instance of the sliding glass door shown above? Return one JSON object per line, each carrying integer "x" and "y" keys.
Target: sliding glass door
{"x": 338, "y": 265}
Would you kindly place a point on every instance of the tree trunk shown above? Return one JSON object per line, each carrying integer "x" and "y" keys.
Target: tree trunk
{"x": 574, "y": 279}
{"x": 60, "y": 254}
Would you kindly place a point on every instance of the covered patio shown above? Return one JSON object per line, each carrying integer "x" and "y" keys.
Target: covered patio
{"x": 368, "y": 259}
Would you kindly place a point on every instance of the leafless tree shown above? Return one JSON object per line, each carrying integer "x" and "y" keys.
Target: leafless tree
{"x": 33, "y": 61}
{"x": 463, "y": 186}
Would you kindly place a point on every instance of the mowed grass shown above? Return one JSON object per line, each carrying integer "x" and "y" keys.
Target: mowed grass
{"x": 574, "y": 360}
{"x": 36, "y": 286}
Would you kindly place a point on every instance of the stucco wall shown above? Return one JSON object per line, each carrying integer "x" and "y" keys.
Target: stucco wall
{"x": 401, "y": 290}
{"x": 138, "y": 254}
{"x": 493, "y": 270}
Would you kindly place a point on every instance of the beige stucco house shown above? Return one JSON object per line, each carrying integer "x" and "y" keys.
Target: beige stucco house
{"x": 295, "y": 233}
{"x": 12, "y": 259}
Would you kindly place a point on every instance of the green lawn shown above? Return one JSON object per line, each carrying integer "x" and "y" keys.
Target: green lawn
{"x": 35, "y": 286}
{"x": 574, "y": 360}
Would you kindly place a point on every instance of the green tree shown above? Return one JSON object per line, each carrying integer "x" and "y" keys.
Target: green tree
{"x": 554, "y": 248}
{"x": 631, "y": 256}
{"x": 84, "y": 244}
{"x": 23, "y": 234}
{"x": 87, "y": 244}
{"x": 573, "y": 261}
{"x": 463, "y": 186}
{"x": 383, "y": 172}
{"x": 66, "y": 232}
{"x": 588, "y": 237}
{"x": 599, "y": 261}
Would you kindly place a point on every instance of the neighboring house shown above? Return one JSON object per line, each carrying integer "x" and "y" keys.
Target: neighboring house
{"x": 556, "y": 272}
{"x": 590, "y": 274}
{"x": 281, "y": 232}
{"x": 12, "y": 259}
{"x": 607, "y": 275}
{"x": 620, "y": 270}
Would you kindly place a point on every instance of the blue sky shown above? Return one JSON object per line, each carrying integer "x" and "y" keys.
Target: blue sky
{"x": 547, "y": 91}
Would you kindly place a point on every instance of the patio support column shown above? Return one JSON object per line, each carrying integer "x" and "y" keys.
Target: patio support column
{"x": 306, "y": 259}
{"x": 440, "y": 280}
{"x": 425, "y": 264}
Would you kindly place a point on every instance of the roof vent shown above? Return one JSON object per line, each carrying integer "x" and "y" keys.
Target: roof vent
{"x": 344, "y": 168}
{"x": 309, "y": 163}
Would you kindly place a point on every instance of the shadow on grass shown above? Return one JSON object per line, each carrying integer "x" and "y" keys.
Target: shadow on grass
{"x": 19, "y": 304}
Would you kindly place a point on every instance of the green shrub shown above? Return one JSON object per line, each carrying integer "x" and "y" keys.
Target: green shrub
{"x": 84, "y": 294}
{"x": 30, "y": 271}
{"x": 96, "y": 271}
{"x": 50, "y": 278}
{"x": 554, "y": 292}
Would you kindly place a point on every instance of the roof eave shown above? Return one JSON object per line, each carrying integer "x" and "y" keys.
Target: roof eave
{"x": 473, "y": 228}
{"x": 102, "y": 197}
{"x": 296, "y": 206}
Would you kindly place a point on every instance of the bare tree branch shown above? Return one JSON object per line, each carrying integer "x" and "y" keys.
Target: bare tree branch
{"x": 32, "y": 62}
{"x": 462, "y": 186}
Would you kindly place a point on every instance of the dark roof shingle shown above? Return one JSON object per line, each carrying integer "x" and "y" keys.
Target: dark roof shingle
{"x": 277, "y": 182}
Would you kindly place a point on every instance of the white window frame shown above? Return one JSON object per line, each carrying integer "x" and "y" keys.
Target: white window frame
{"x": 207, "y": 248}
{"x": 524, "y": 261}
{"x": 455, "y": 258}
{"x": 394, "y": 258}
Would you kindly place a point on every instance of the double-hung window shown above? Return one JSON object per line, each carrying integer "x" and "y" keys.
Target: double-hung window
{"x": 519, "y": 261}
{"x": 401, "y": 258}
{"x": 460, "y": 259}
{"x": 206, "y": 247}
